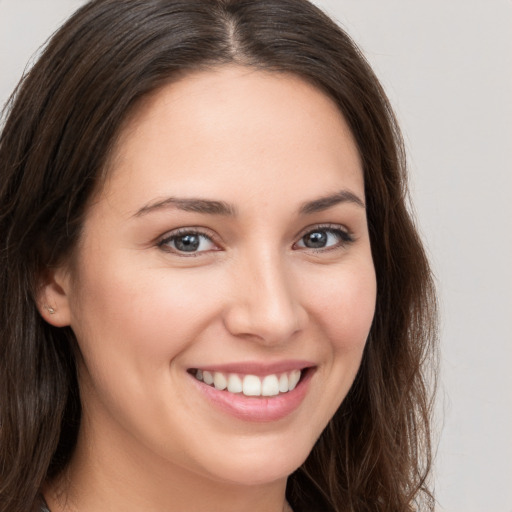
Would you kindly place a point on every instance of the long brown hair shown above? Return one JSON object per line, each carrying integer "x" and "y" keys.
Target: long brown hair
{"x": 59, "y": 129}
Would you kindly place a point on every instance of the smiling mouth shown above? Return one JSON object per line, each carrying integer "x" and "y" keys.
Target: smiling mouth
{"x": 251, "y": 385}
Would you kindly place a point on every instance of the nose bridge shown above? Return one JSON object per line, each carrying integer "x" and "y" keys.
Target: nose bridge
{"x": 267, "y": 305}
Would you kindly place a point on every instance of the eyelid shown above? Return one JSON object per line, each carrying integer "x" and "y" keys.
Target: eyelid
{"x": 189, "y": 230}
{"x": 348, "y": 236}
{"x": 326, "y": 226}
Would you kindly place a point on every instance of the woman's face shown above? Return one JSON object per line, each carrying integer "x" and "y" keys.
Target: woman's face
{"x": 229, "y": 242}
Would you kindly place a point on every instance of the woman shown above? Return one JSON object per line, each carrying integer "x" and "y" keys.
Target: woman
{"x": 213, "y": 295}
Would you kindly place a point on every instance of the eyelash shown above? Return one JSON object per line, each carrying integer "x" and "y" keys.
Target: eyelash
{"x": 344, "y": 237}
{"x": 181, "y": 233}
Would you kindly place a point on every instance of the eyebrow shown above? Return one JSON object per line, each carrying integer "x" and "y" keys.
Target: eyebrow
{"x": 212, "y": 207}
{"x": 326, "y": 202}
{"x": 189, "y": 205}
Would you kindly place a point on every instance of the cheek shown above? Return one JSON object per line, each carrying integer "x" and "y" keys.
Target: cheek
{"x": 132, "y": 326}
{"x": 345, "y": 306}
{"x": 141, "y": 314}
{"x": 342, "y": 305}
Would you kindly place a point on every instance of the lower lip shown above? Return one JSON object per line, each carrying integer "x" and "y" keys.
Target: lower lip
{"x": 257, "y": 409}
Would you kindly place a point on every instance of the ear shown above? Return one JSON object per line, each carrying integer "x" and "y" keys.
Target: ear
{"x": 53, "y": 296}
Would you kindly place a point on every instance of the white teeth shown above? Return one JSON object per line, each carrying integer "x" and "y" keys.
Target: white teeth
{"x": 219, "y": 381}
{"x": 283, "y": 383}
{"x": 234, "y": 383}
{"x": 270, "y": 386}
{"x": 207, "y": 378}
{"x": 250, "y": 385}
{"x": 293, "y": 380}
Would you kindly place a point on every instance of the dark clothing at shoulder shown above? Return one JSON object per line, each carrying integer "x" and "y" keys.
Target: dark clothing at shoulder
{"x": 41, "y": 505}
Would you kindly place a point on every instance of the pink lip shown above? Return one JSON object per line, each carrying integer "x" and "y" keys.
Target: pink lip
{"x": 256, "y": 409}
{"x": 259, "y": 369}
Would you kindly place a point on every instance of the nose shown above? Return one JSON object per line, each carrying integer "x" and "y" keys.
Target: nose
{"x": 266, "y": 305}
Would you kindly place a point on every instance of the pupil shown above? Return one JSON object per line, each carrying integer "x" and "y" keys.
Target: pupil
{"x": 187, "y": 243}
{"x": 315, "y": 240}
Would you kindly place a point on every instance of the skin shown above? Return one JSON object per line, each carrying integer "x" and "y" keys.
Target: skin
{"x": 144, "y": 314}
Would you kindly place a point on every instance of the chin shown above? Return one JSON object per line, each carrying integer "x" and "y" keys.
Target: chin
{"x": 260, "y": 467}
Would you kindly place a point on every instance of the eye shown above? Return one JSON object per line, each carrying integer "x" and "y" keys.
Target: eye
{"x": 324, "y": 238}
{"x": 188, "y": 242}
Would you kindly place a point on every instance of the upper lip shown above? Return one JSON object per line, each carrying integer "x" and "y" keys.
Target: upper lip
{"x": 257, "y": 368}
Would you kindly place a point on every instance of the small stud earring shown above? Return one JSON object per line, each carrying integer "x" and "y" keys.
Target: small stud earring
{"x": 50, "y": 310}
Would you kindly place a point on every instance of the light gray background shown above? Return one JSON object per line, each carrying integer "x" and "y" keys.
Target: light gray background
{"x": 447, "y": 67}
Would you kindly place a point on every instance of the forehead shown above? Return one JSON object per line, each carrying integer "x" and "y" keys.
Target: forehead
{"x": 211, "y": 126}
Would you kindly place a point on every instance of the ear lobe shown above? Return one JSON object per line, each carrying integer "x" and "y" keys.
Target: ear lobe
{"x": 53, "y": 297}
